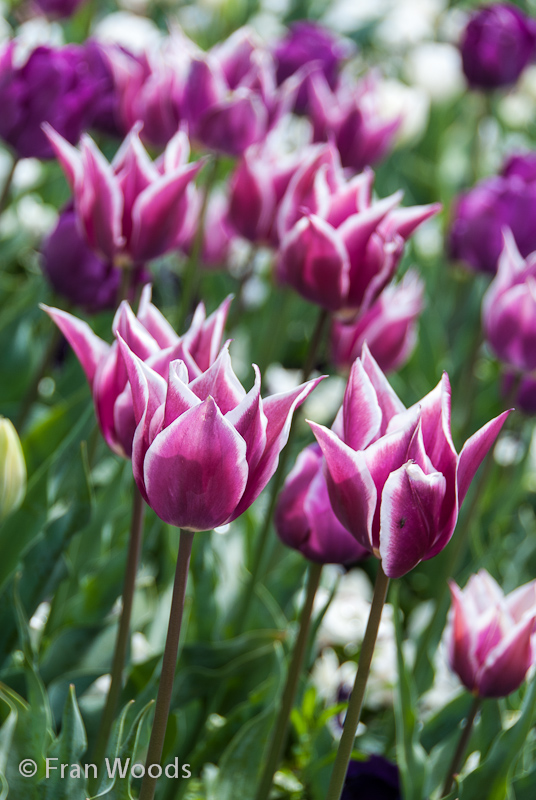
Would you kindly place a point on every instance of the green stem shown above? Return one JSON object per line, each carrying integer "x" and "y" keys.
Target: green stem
{"x": 169, "y": 663}
{"x": 279, "y": 735}
{"x": 33, "y": 389}
{"x": 277, "y": 480}
{"x": 191, "y": 271}
{"x": 123, "y": 633}
{"x": 459, "y": 754}
{"x": 7, "y": 185}
{"x": 353, "y": 714}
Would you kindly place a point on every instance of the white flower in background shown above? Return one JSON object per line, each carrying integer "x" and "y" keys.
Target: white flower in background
{"x": 137, "y": 34}
{"x": 436, "y": 67}
{"x": 34, "y": 33}
{"x": 325, "y": 401}
{"x": 5, "y": 28}
{"x": 410, "y": 103}
{"x": 28, "y": 174}
{"x": 446, "y": 684}
{"x": 408, "y": 22}
{"x": 347, "y": 15}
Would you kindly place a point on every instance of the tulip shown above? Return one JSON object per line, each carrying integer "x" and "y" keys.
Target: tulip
{"x": 151, "y": 337}
{"x": 509, "y": 308}
{"x": 489, "y": 635}
{"x": 307, "y": 42}
{"x": 339, "y": 248}
{"x": 134, "y": 208}
{"x": 496, "y": 46}
{"x": 394, "y": 478}
{"x": 351, "y": 117}
{"x": 304, "y": 519}
{"x": 481, "y": 214}
{"x": 12, "y": 469}
{"x": 77, "y": 273}
{"x": 524, "y": 397}
{"x": 63, "y": 86}
{"x": 204, "y": 449}
{"x": 231, "y": 99}
{"x": 373, "y": 779}
{"x": 59, "y": 9}
{"x": 388, "y": 327}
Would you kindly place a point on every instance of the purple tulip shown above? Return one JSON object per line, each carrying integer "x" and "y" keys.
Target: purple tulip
{"x": 481, "y": 214}
{"x": 77, "y": 273}
{"x": 231, "y": 99}
{"x": 304, "y": 519}
{"x": 205, "y": 449}
{"x": 64, "y": 87}
{"x": 509, "y": 308}
{"x": 373, "y": 779}
{"x": 351, "y": 118}
{"x": 497, "y": 45}
{"x": 388, "y": 327}
{"x": 490, "y": 635}
{"x": 394, "y": 478}
{"x": 524, "y": 388}
{"x": 306, "y": 43}
{"x": 151, "y": 337}
{"x": 59, "y": 9}
{"x": 339, "y": 248}
{"x": 133, "y": 208}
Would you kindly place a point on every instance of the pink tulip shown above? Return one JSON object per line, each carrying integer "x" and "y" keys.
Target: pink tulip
{"x": 152, "y": 338}
{"x": 490, "y": 635}
{"x": 134, "y": 208}
{"x": 304, "y": 519}
{"x": 204, "y": 449}
{"x": 388, "y": 327}
{"x": 509, "y": 308}
{"x": 339, "y": 248}
{"x": 394, "y": 478}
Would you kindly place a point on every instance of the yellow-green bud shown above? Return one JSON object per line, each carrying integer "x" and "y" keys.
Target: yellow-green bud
{"x": 12, "y": 469}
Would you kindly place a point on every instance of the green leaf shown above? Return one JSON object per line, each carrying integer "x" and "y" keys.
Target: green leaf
{"x": 491, "y": 778}
{"x": 67, "y": 749}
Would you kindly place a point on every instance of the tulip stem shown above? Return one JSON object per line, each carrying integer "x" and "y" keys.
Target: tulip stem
{"x": 169, "y": 663}
{"x": 279, "y": 735}
{"x": 7, "y": 184}
{"x": 123, "y": 633}
{"x": 353, "y": 713}
{"x": 277, "y": 482}
{"x": 191, "y": 271}
{"x": 459, "y": 754}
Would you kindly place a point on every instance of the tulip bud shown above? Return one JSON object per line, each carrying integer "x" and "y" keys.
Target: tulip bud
{"x": 489, "y": 635}
{"x": 305, "y": 520}
{"x": 497, "y": 45}
{"x": 12, "y": 469}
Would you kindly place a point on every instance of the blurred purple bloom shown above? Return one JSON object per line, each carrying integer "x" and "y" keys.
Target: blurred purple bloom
{"x": 481, "y": 214}
{"x": 204, "y": 449}
{"x": 394, "y": 478}
{"x": 350, "y": 117}
{"x": 306, "y": 43}
{"x": 525, "y": 393}
{"x": 59, "y": 9}
{"x": 509, "y": 309}
{"x": 64, "y": 86}
{"x": 304, "y": 519}
{"x": 497, "y": 45}
{"x": 388, "y": 327}
{"x": 373, "y": 779}
{"x": 77, "y": 273}
{"x": 489, "y": 635}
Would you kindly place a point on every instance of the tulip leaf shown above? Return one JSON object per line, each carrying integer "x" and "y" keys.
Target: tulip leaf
{"x": 67, "y": 749}
{"x": 491, "y": 778}
{"x": 411, "y": 756}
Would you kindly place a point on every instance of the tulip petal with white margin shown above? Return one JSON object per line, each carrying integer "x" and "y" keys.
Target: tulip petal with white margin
{"x": 507, "y": 664}
{"x": 89, "y": 348}
{"x": 195, "y": 471}
{"x": 410, "y": 505}
{"x": 474, "y": 451}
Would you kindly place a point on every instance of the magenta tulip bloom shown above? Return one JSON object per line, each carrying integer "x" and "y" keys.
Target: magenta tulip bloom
{"x": 509, "y": 308}
{"x": 59, "y": 9}
{"x": 134, "y": 208}
{"x": 339, "y": 248}
{"x": 153, "y": 339}
{"x": 205, "y": 449}
{"x": 351, "y": 118}
{"x": 304, "y": 519}
{"x": 394, "y": 478}
{"x": 490, "y": 635}
{"x": 497, "y": 45}
{"x": 388, "y": 327}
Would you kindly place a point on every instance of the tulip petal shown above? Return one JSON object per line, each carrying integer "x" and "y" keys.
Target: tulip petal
{"x": 461, "y": 646}
{"x": 179, "y": 398}
{"x": 154, "y": 321}
{"x": 99, "y": 201}
{"x": 390, "y": 403}
{"x": 132, "y": 331}
{"x": 505, "y": 667}
{"x": 362, "y": 416}
{"x": 410, "y": 507}
{"x": 195, "y": 471}
{"x": 220, "y": 382}
{"x": 250, "y": 421}
{"x": 89, "y": 348}
{"x": 350, "y": 485}
{"x": 474, "y": 452}
{"x": 67, "y": 155}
